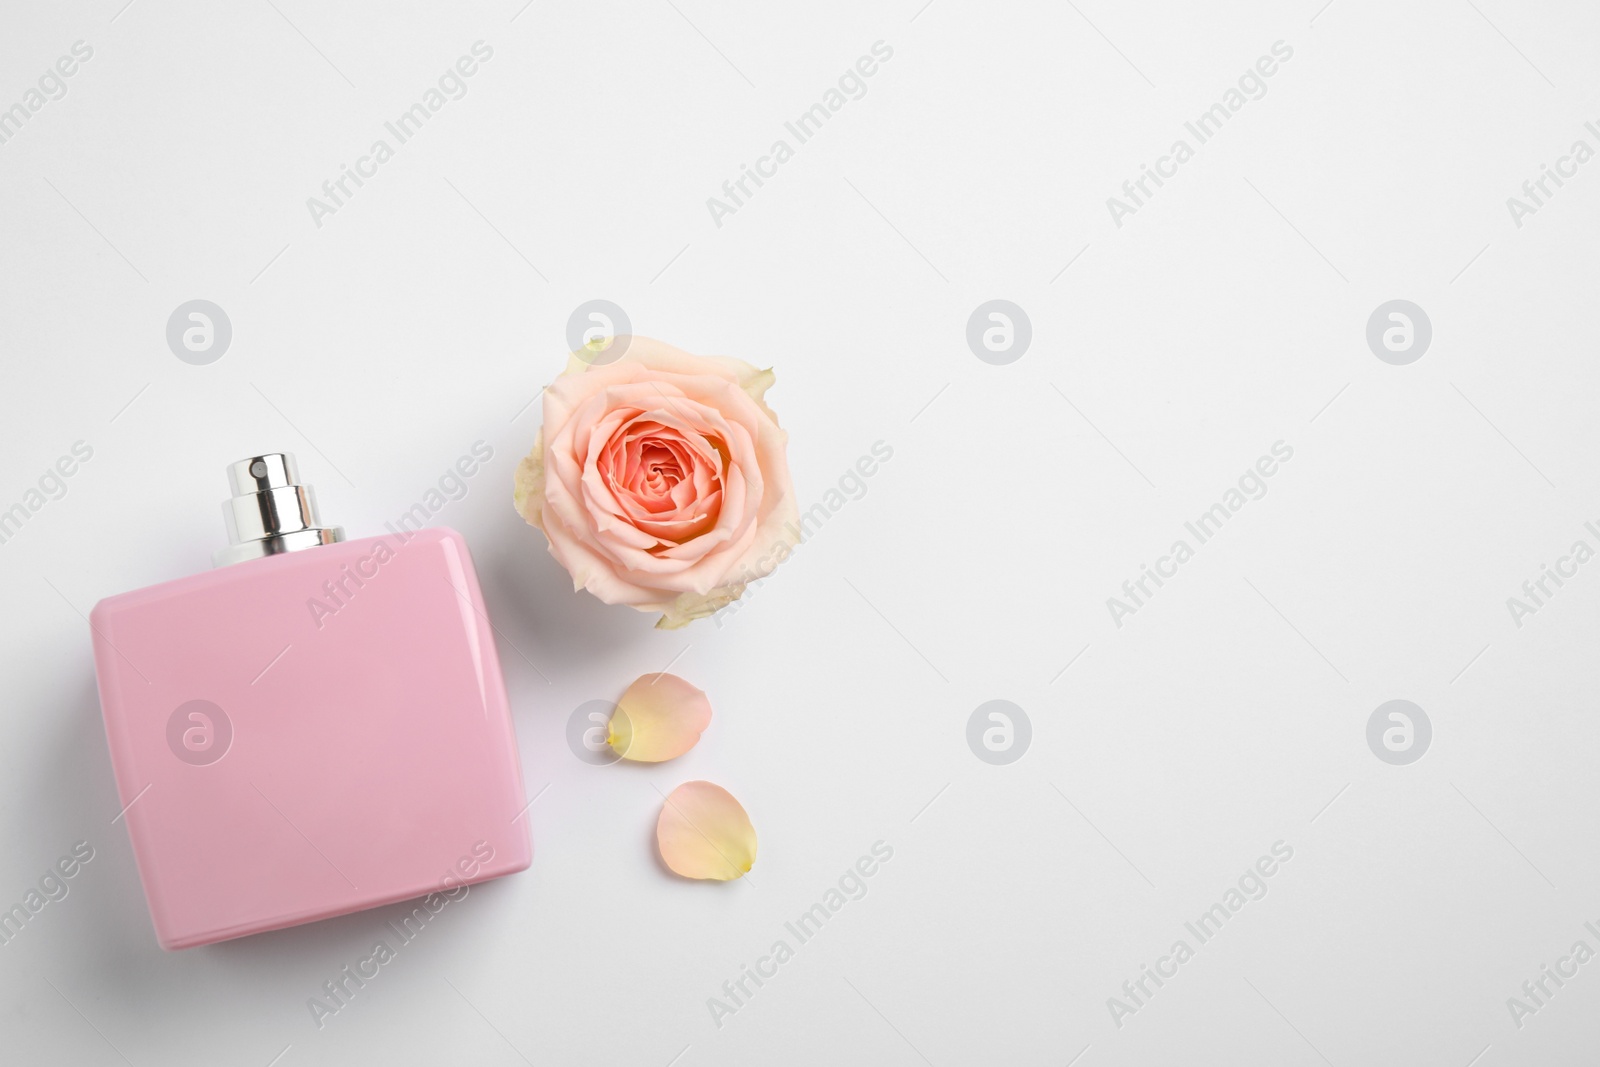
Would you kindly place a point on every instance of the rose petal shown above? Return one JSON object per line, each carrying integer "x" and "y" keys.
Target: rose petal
{"x": 660, "y": 717}
{"x": 704, "y": 833}
{"x": 528, "y": 491}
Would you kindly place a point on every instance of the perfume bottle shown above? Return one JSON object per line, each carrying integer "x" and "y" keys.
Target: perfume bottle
{"x": 314, "y": 727}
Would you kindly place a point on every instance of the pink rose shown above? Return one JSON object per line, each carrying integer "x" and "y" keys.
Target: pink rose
{"x": 660, "y": 479}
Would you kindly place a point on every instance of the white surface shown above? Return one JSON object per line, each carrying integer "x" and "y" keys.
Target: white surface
{"x": 1172, "y": 753}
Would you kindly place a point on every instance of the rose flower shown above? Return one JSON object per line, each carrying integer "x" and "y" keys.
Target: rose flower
{"x": 660, "y": 478}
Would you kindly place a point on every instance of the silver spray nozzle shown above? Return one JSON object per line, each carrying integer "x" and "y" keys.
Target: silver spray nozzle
{"x": 270, "y": 512}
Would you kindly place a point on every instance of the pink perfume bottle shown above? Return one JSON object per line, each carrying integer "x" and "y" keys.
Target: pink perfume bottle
{"x": 314, "y": 727}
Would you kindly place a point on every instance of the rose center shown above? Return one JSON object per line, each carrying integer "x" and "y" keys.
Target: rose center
{"x": 661, "y": 469}
{"x": 665, "y": 480}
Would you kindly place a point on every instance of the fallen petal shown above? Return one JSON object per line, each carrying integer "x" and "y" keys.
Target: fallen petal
{"x": 660, "y": 717}
{"x": 704, "y": 833}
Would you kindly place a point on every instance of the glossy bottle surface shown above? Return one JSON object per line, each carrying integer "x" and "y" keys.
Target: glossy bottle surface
{"x": 310, "y": 734}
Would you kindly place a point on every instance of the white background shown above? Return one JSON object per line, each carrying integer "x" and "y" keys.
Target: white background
{"x": 1224, "y": 316}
